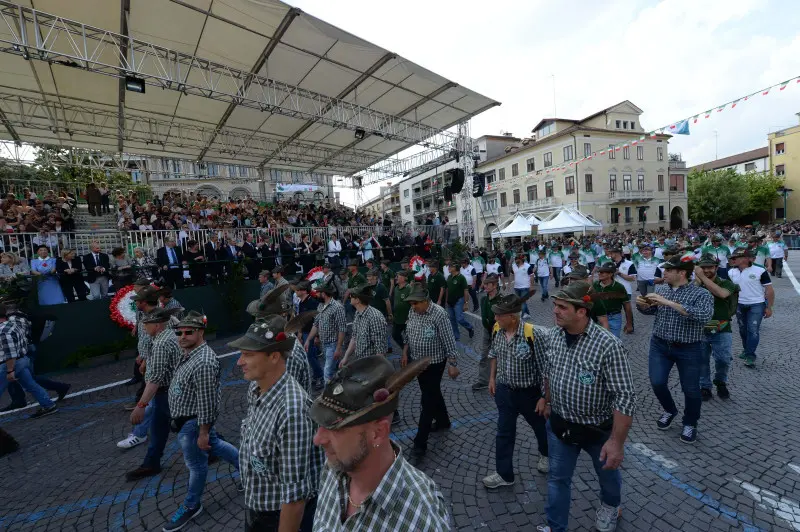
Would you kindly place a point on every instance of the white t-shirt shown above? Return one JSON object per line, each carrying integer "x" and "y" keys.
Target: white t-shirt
{"x": 542, "y": 268}
{"x": 751, "y": 282}
{"x": 777, "y": 249}
{"x": 521, "y": 276}
{"x": 467, "y": 273}
{"x": 493, "y": 268}
{"x": 624, "y": 267}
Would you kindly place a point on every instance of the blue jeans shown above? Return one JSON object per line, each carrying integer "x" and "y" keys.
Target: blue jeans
{"x": 330, "y": 363}
{"x": 141, "y": 430}
{"x": 557, "y": 275}
{"x": 615, "y": 323}
{"x": 197, "y": 460}
{"x": 159, "y": 429}
{"x": 719, "y": 345}
{"x": 688, "y": 358}
{"x": 313, "y": 361}
{"x": 511, "y": 403}
{"x": 456, "y": 313}
{"x": 18, "y": 394}
{"x": 522, "y": 292}
{"x": 22, "y": 372}
{"x": 749, "y": 318}
{"x": 543, "y": 282}
{"x": 563, "y": 458}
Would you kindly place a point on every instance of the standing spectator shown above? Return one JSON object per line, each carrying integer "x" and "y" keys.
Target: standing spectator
{"x": 334, "y": 251}
{"x": 213, "y": 254}
{"x": 121, "y": 269}
{"x": 105, "y": 195}
{"x": 93, "y": 198}
{"x": 97, "y": 266}
{"x": 756, "y": 297}
{"x": 250, "y": 256}
{"x": 287, "y": 254}
{"x": 197, "y": 268}
{"x": 70, "y": 276}
{"x": 170, "y": 260}
{"x": 43, "y": 267}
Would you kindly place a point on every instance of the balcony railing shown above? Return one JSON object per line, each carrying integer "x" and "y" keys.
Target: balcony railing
{"x": 677, "y": 193}
{"x": 630, "y": 195}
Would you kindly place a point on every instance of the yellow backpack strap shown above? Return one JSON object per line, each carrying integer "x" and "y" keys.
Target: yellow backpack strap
{"x": 527, "y": 330}
{"x": 495, "y": 329}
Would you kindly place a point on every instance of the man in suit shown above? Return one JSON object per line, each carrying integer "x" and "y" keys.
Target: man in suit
{"x": 97, "y": 266}
{"x": 250, "y": 253}
{"x": 287, "y": 253}
{"x": 213, "y": 253}
{"x": 231, "y": 252}
{"x": 170, "y": 261}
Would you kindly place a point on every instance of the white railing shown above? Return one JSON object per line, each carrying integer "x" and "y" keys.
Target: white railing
{"x": 630, "y": 195}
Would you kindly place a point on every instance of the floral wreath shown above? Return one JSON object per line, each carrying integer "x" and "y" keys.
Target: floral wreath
{"x": 123, "y": 308}
{"x": 315, "y": 276}
{"x": 418, "y": 266}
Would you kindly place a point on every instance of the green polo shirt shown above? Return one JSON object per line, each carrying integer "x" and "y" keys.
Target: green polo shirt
{"x": 386, "y": 278}
{"x": 401, "y": 308}
{"x": 379, "y": 298}
{"x": 456, "y": 284}
{"x": 603, "y": 307}
{"x": 435, "y": 284}
{"x": 355, "y": 280}
{"x": 724, "y": 309}
{"x": 487, "y": 316}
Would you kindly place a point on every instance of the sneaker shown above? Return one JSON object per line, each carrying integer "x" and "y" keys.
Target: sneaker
{"x": 722, "y": 390}
{"x": 436, "y": 427}
{"x": 131, "y": 441}
{"x": 750, "y": 361}
{"x": 706, "y": 393}
{"x": 479, "y": 386}
{"x": 495, "y": 481}
{"x": 239, "y": 485}
{"x": 182, "y": 517}
{"x": 607, "y": 516}
{"x": 396, "y": 420}
{"x": 142, "y": 472}
{"x": 471, "y": 332}
{"x": 688, "y": 434}
{"x": 63, "y": 393}
{"x": 526, "y": 316}
{"x": 665, "y": 420}
{"x": 543, "y": 464}
{"x": 543, "y": 528}
{"x": 743, "y": 355}
{"x": 42, "y": 411}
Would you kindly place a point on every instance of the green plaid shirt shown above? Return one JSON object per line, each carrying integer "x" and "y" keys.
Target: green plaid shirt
{"x": 406, "y": 500}
{"x": 518, "y": 365}
{"x": 165, "y": 355}
{"x": 369, "y": 331}
{"x": 298, "y": 367}
{"x": 430, "y": 335}
{"x": 195, "y": 389}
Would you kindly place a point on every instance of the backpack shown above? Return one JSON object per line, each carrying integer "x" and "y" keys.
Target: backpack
{"x": 527, "y": 330}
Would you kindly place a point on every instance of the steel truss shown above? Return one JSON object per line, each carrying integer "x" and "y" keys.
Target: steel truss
{"x": 64, "y": 116}
{"x": 62, "y": 41}
{"x": 467, "y": 225}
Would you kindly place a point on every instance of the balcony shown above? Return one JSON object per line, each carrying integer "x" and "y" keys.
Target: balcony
{"x": 677, "y": 194}
{"x": 532, "y": 204}
{"x": 624, "y": 196}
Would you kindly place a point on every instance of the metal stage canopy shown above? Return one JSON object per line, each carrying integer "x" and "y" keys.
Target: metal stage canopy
{"x": 248, "y": 82}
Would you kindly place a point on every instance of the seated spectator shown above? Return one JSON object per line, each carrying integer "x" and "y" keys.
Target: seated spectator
{"x": 121, "y": 268}
{"x": 144, "y": 265}
{"x": 12, "y": 265}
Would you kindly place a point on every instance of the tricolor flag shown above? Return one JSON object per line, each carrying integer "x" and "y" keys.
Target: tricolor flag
{"x": 603, "y": 152}
{"x": 765, "y": 92}
{"x": 679, "y": 128}
{"x": 653, "y": 134}
{"x": 734, "y": 104}
{"x": 695, "y": 118}
{"x": 719, "y": 109}
{"x": 783, "y": 85}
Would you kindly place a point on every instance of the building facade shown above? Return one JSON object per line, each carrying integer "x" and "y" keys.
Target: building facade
{"x": 750, "y": 161}
{"x": 784, "y": 161}
{"x": 624, "y": 188}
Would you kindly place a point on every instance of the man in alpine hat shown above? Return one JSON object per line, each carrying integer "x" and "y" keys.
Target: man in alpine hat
{"x": 718, "y": 339}
{"x": 331, "y": 326}
{"x": 608, "y": 309}
{"x": 589, "y": 400}
{"x": 682, "y": 311}
{"x": 490, "y": 285}
{"x": 367, "y": 485}
{"x": 369, "y": 326}
{"x": 515, "y": 381}
{"x": 194, "y": 397}
{"x": 756, "y": 299}
{"x": 305, "y": 302}
{"x": 279, "y": 464}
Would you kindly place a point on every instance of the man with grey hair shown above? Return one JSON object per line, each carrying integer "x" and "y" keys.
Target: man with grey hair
{"x": 97, "y": 266}
{"x": 170, "y": 261}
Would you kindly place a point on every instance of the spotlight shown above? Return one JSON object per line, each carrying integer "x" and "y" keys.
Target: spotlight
{"x": 134, "y": 84}
{"x": 360, "y": 133}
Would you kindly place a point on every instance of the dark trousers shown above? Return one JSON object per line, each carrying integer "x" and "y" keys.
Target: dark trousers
{"x": 512, "y": 403}
{"x": 432, "y": 403}
{"x": 174, "y": 277}
{"x": 159, "y": 429}
{"x": 777, "y": 267}
{"x": 105, "y": 203}
{"x": 18, "y": 394}
{"x": 557, "y": 275}
{"x": 72, "y": 285}
{"x": 474, "y": 295}
{"x": 255, "y": 521}
{"x": 689, "y": 359}
{"x": 94, "y": 208}
{"x": 397, "y": 333}
{"x": 313, "y": 360}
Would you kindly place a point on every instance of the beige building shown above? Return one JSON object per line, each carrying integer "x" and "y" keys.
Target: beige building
{"x": 624, "y": 188}
{"x": 784, "y": 161}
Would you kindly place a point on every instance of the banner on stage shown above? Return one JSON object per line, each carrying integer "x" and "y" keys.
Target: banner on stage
{"x": 281, "y": 188}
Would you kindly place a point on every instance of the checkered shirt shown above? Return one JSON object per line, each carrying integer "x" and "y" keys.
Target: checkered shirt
{"x": 518, "y": 366}
{"x": 298, "y": 367}
{"x": 591, "y": 379}
{"x": 165, "y": 355}
{"x": 286, "y": 296}
{"x": 278, "y": 460}
{"x": 143, "y": 340}
{"x": 369, "y": 331}
{"x": 23, "y": 324}
{"x": 195, "y": 389}
{"x": 330, "y": 321}
{"x": 173, "y": 303}
{"x": 430, "y": 335}
{"x": 406, "y": 500}
{"x": 12, "y": 343}
{"x": 670, "y": 325}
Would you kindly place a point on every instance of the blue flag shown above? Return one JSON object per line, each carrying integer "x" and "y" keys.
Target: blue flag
{"x": 679, "y": 128}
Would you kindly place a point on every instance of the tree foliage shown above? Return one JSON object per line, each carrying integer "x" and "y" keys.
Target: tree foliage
{"x": 722, "y": 196}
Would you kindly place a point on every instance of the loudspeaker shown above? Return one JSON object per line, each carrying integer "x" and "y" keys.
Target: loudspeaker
{"x": 456, "y": 179}
{"x": 478, "y": 185}
{"x": 448, "y": 193}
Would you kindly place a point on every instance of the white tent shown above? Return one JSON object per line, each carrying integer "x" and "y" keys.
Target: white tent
{"x": 568, "y": 221}
{"x": 519, "y": 226}
{"x": 534, "y": 219}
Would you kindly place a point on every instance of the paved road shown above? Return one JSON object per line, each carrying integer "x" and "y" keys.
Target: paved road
{"x": 742, "y": 474}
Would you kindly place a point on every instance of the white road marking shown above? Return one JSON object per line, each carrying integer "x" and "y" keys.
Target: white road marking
{"x": 781, "y": 507}
{"x": 792, "y": 278}
{"x": 663, "y": 461}
{"x": 95, "y": 389}
{"x": 795, "y": 468}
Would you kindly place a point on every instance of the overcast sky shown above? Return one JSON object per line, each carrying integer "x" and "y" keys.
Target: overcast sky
{"x": 672, "y": 58}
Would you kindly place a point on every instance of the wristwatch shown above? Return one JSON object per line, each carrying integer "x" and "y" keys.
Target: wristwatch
{"x": 453, "y": 362}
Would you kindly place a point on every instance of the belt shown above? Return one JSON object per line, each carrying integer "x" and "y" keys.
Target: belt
{"x": 613, "y": 313}
{"x": 671, "y": 342}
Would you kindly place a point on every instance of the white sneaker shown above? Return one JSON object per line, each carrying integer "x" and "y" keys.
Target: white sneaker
{"x": 495, "y": 481}
{"x": 131, "y": 441}
{"x": 543, "y": 465}
{"x": 607, "y": 518}
{"x": 542, "y": 528}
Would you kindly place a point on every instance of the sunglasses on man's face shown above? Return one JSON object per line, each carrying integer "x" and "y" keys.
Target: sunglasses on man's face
{"x": 182, "y": 333}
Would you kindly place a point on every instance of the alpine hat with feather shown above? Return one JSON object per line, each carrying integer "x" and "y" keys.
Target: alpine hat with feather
{"x": 269, "y": 304}
{"x": 266, "y": 336}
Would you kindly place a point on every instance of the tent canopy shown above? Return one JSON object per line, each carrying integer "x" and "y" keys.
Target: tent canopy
{"x": 254, "y": 83}
{"x": 568, "y": 221}
{"x": 520, "y": 226}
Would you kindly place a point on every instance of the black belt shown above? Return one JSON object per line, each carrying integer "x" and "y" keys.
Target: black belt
{"x": 613, "y": 313}
{"x": 177, "y": 423}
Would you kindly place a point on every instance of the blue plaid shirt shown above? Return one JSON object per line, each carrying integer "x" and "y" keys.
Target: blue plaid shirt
{"x": 671, "y": 325}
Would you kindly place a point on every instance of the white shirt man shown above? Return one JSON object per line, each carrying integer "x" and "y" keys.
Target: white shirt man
{"x": 334, "y": 247}
{"x": 777, "y": 249}
{"x": 752, "y": 282}
{"x": 522, "y": 277}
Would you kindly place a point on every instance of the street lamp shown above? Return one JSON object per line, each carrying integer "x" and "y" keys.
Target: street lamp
{"x": 785, "y": 193}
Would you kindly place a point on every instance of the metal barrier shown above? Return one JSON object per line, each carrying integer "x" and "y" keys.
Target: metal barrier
{"x": 792, "y": 241}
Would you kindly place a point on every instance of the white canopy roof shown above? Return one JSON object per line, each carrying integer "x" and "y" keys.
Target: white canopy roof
{"x": 568, "y": 221}
{"x": 241, "y": 81}
{"x": 534, "y": 219}
{"x": 520, "y": 226}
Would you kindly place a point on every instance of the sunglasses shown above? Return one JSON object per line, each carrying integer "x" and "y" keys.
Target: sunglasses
{"x": 182, "y": 333}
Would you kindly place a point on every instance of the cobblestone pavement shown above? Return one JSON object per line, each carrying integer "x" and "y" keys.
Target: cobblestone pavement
{"x": 742, "y": 474}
